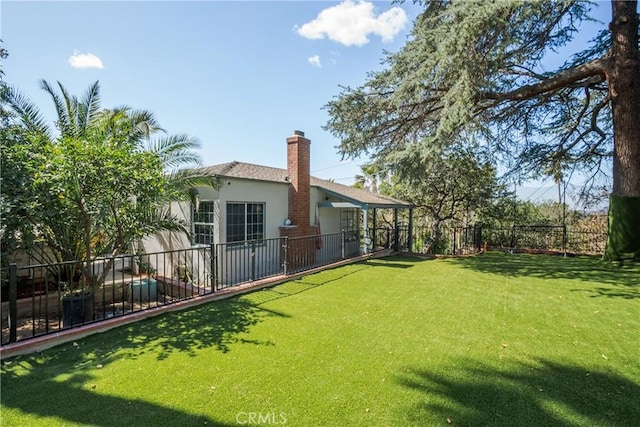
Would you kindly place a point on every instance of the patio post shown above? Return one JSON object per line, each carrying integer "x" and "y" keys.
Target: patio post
{"x": 365, "y": 220}
{"x": 375, "y": 224}
{"x": 397, "y": 230}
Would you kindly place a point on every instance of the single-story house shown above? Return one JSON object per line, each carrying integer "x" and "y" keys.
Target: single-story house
{"x": 257, "y": 203}
{"x": 261, "y": 202}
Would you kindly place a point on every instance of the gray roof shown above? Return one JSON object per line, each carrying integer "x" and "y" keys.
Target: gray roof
{"x": 266, "y": 173}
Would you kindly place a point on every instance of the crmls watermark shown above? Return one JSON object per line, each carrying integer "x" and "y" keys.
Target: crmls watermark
{"x": 260, "y": 418}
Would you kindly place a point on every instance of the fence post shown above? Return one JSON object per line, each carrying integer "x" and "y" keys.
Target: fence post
{"x": 285, "y": 247}
{"x": 253, "y": 260}
{"x": 342, "y": 244}
{"x": 455, "y": 241}
{"x": 13, "y": 303}
{"x": 397, "y": 230}
{"x": 396, "y": 239}
{"x": 214, "y": 267}
{"x": 410, "y": 231}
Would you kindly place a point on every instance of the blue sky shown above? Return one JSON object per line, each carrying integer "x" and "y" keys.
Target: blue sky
{"x": 240, "y": 76}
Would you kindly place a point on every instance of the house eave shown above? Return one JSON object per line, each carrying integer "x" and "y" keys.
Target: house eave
{"x": 350, "y": 202}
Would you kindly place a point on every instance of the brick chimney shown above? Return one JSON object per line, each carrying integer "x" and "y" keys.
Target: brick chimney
{"x": 298, "y": 166}
{"x": 301, "y": 243}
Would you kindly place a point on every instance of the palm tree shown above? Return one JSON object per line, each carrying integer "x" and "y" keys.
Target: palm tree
{"x": 104, "y": 180}
{"x": 372, "y": 175}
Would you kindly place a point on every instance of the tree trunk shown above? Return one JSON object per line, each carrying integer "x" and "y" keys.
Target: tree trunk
{"x": 436, "y": 234}
{"x": 623, "y": 241}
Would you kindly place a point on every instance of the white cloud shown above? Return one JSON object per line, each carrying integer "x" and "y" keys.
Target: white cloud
{"x": 315, "y": 61}
{"x": 351, "y": 23}
{"x": 85, "y": 60}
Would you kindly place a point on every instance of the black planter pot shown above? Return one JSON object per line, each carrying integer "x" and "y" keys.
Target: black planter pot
{"x": 77, "y": 309}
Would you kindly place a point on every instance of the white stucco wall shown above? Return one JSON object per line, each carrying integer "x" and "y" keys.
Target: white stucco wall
{"x": 182, "y": 252}
{"x": 273, "y": 194}
{"x": 166, "y": 241}
{"x": 329, "y": 217}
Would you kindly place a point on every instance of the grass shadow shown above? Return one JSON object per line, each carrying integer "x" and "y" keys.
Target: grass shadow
{"x": 402, "y": 261}
{"x": 389, "y": 264}
{"x": 303, "y": 284}
{"x": 624, "y": 280}
{"x": 214, "y": 325}
{"x": 629, "y": 293}
{"x": 75, "y": 393}
{"x": 333, "y": 274}
{"x": 551, "y": 393}
{"x": 217, "y": 325}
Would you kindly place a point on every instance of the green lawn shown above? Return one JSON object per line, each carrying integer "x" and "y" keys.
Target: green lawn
{"x": 496, "y": 339}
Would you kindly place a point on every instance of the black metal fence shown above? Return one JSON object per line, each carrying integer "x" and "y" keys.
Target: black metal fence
{"x": 465, "y": 240}
{"x": 43, "y": 299}
{"x": 552, "y": 238}
{"x": 452, "y": 241}
{"x": 382, "y": 237}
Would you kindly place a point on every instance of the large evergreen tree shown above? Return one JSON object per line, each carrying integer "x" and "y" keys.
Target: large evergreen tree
{"x": 476, "y": 68}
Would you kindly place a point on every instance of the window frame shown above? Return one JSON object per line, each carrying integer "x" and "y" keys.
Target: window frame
{"x": 199, "y": 220}
{"x": 258, "y": 223}
{"x": 350, "y": 223}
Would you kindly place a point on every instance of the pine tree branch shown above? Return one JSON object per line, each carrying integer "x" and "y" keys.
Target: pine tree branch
{"x": 597, "y": 67}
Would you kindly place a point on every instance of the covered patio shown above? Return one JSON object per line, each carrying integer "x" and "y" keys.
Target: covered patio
{"x": 371, "y": 221}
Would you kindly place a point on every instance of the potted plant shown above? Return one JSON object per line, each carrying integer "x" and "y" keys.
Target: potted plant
{"x": 77, "y": 299}
{"x": 183, "y": 273}
{"x": 144, "y": 264}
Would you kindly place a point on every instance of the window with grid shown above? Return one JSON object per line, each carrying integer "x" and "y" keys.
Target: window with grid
{"x": 245, "y": 221}
{"x": 349, "y": 223}
{"x": 202, "y": 222}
